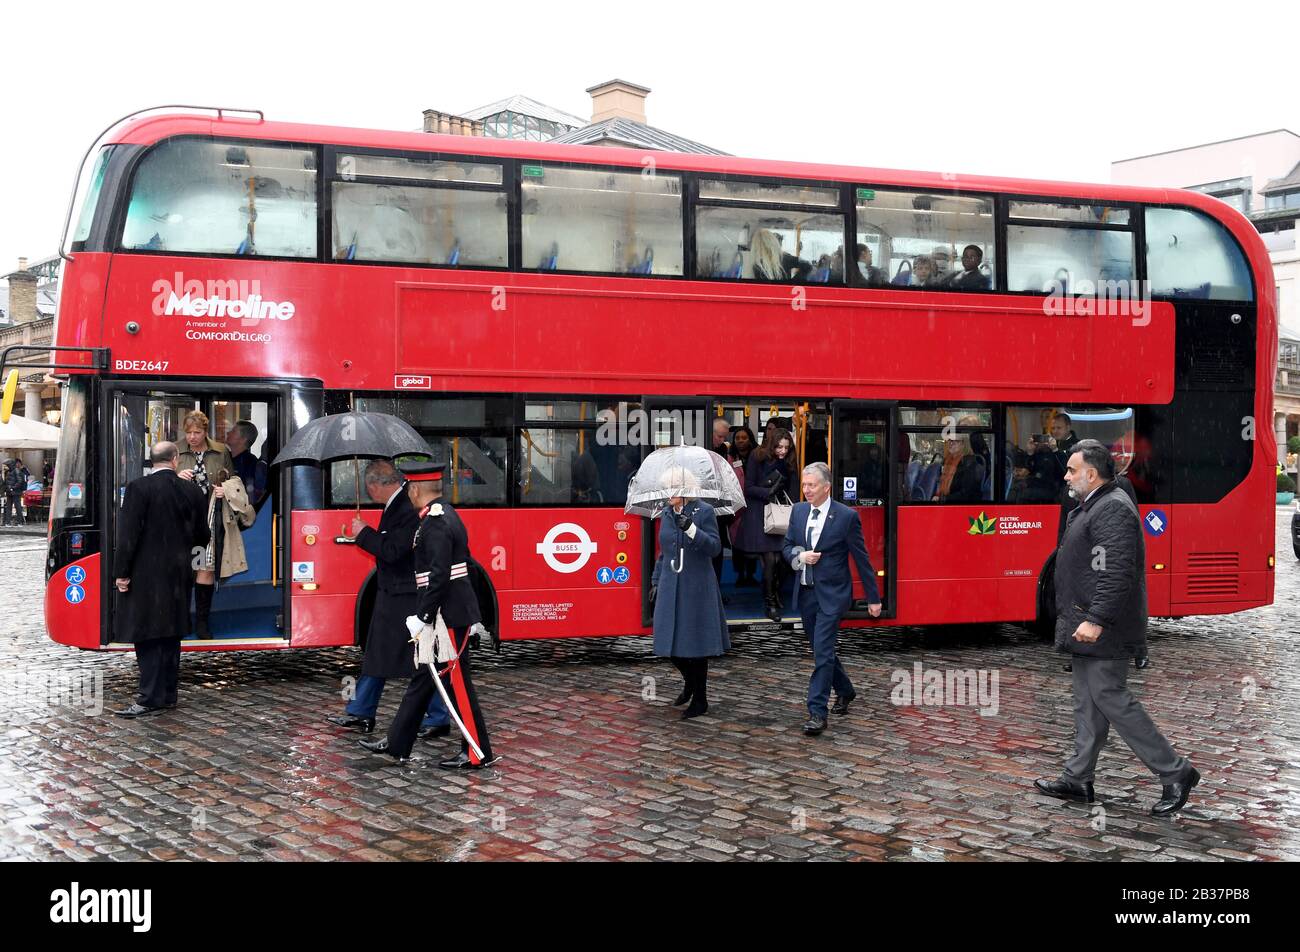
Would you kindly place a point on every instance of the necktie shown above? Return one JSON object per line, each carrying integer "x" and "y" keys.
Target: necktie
{"x": 811, "y": 519}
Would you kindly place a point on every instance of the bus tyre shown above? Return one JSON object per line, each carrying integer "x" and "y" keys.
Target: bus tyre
{"x": 487, "y": 608}
{"x": 1044, "y": 623}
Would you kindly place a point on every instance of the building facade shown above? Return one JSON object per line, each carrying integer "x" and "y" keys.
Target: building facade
{"x": 27, "y": 303}
{"x": 618, "y": 118}
{"x": 1259, "y": 175}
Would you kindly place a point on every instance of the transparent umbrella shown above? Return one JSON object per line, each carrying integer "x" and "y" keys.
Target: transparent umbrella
{"x": 691, "y": 472}
{"x": 688, "y": 471}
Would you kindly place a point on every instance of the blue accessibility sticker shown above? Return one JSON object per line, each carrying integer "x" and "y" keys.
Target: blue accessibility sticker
{"x": 75, "y": 594}
{"x": 604, "y": 575}
{"x": 621, "y": 574}
{"x": 1156, "y": 522}
{"x": 75, "y": 575}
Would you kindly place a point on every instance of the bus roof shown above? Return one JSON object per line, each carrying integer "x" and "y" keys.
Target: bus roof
{"x": 151, "y": 129}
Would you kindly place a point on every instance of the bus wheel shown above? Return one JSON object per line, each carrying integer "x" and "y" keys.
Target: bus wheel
{"x": 487, "y": 603}
{"x": 1044, "y": 623}
{"x": 365, "y": 608}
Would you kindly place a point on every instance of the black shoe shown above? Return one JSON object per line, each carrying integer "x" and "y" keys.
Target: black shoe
{"x": 462, "y": 762}
{"x": 841, "y": 705}
{"x": 381, "y": 747}
{"x": 365, "y": 724}
{"x": 814, "y": 726}
{"x": 169, "y": 706}
{"x": 1142, "y": 661}
{"x": 1175, "y": 795}
{"x": 772, "y": 612}
{"x": 1068, "y": 666}
{"x": 138, "y": 710}
{"x": 1064, "y": 790}
{"x": 695, "y": 710}
{"x": 683, "y": 697}
{"x": 437, "y": 730}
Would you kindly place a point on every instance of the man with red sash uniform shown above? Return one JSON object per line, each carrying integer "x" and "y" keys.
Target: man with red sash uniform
{"x": 442, "y": 587}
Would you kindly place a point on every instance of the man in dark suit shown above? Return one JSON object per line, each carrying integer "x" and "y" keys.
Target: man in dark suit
{"x": 822, "y": 536}
{"x": 388, "y": 647}
{"x": 163, "y": 522}
{"x": 443, "y": 590}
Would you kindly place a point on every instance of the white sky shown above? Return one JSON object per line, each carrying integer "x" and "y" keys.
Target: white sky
{"x": 1029, "y": 89}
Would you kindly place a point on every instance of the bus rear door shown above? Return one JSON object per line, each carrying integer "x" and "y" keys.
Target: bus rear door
{"x": 250, "y": 607}
{"x": 866, "y": 472}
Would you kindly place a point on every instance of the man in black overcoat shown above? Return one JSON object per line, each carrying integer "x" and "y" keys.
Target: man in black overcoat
{"x": 388, "y": 649}
{"x": 1101, "y": 621}
{"x": 162, "y": 524}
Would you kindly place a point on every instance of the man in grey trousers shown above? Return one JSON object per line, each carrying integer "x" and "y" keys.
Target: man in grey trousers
{"x": 1101, "y": 619}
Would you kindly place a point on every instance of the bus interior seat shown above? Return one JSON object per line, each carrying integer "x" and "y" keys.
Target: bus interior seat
{"x": 646, "y": 264}
{"x": 927, "y": 483}
{"x": 737, "y": 268}
{"x": 902, "y": 278}
{"x": 550, "y": 259}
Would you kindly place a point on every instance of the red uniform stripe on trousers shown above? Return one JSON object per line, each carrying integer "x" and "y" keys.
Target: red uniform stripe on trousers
{"x": 461, "y": 696}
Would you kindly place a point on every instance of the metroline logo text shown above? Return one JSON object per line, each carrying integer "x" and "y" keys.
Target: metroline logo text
{"x": 240, "y": 300}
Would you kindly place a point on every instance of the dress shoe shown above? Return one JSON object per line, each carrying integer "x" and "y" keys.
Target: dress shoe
{"x": 381, "y": 747}
{"x": 1175, "y": 795}
{"x": 436, "y": 730}
{"x": 364, "y": 724}
{"x": 1068, "y": 666}
{"x": 138, "y": 710}
{"x": 773, "y": 614}
{"x": 695, "y": 710}
{"x": 462, "y": 762}
{"x": 841, "y": 705}
{"x": 1142, "y": 660}
{"x": 682, "y": 698}
{"x": 1064, "y": 790}
{"x": 814, "y": 726}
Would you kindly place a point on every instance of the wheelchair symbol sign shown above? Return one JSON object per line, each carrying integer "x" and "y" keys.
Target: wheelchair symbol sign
{"x": 75, "y": 575}
{"x": 621, "y": 574}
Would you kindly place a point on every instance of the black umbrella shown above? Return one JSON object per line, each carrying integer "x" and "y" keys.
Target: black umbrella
{"x": 352, "y": 436}
{"x": 345, "y": 435}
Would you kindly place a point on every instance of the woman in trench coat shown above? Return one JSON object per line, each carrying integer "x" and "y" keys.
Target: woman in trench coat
{"x": 690, "y": 625}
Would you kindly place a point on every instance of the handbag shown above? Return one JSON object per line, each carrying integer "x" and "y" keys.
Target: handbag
{"x": 776, "y": 516}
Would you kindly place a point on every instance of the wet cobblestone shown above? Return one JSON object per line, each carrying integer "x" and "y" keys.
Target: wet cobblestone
{"x": 598, "y": 766}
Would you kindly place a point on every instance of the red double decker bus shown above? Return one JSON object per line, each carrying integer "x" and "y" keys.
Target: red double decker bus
{"x": 546, "y": 314}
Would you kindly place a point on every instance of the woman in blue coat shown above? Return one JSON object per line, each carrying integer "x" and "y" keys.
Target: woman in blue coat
{"x": 767, "y": 477}
{"x": 690, "y": 626}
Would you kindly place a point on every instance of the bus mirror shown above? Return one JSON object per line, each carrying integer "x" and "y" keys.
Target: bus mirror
{"x": 10, "y": 391}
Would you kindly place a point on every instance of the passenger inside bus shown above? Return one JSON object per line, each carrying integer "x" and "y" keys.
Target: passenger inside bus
{"x": 919, "y": 273}
{"x": 865, "y": 274}
{"x": 772, "y": 263}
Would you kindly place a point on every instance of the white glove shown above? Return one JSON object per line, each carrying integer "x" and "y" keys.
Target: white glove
{"x": 422, "y": 636}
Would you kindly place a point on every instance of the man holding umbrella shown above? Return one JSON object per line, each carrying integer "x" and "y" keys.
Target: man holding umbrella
{"x": 388, "y": 649}
{"x": 444, "y": 595}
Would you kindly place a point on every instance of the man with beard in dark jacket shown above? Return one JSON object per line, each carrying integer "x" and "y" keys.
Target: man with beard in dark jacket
{"x": 1101, "y": 620}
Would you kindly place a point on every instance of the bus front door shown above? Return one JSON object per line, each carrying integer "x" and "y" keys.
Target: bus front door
{"x": 865, "y": 471}
{"x": 248, "y": 607}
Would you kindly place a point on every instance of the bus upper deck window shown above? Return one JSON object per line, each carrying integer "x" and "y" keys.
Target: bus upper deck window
{"x": 1190, "y": 255}
{"x": 209, "y": 196}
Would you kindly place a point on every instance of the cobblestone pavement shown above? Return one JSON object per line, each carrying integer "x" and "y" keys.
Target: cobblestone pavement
{"x": 597, "y": 765}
